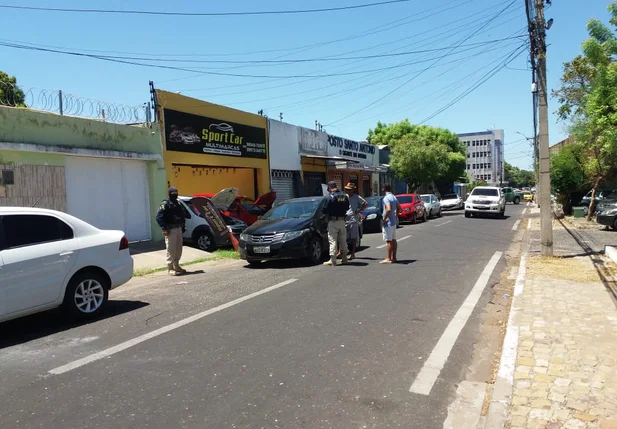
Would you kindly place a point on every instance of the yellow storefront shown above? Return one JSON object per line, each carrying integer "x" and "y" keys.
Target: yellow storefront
{"x": 208, "y": 147}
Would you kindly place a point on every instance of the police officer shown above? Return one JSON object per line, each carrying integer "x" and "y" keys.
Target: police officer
{"x": 336, "y": 208}
{"x": 170, "y": 218}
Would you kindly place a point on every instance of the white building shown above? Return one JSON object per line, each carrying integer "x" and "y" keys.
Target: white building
{"x": 485, "y": 155}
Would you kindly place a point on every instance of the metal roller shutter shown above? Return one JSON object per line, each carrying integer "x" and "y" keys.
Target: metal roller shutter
{"x": 283, "y": 185}
{"x": 338, "y": 179}
{"x": 313, "y": 182}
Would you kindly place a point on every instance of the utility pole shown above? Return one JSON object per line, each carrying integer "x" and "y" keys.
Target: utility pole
{"x": 538, "y": 37}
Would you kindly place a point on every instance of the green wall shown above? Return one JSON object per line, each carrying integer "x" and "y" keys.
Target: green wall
{"x": 46, "y": 129}
{"x": 29, "y": 126}
{"x": 31, "y": 158}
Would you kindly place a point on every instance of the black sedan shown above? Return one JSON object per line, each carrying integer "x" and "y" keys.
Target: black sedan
{"x": 372, "y": 214}
{"x": 293, "y": 229}
{"x": 608, "y": 215}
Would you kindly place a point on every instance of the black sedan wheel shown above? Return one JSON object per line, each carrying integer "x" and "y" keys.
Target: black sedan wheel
{"x": 316, "y": 251}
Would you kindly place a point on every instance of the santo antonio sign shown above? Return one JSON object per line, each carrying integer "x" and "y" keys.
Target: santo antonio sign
{"x": 185, "y": 132}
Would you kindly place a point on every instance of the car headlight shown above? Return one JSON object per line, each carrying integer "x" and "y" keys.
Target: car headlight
{"x": 294, "y": 234}
{"x": 371, "y": 216}
{"x": 244, "y": 237}
{"x": 406, "y": 210}
{"x": 610, "y": 212}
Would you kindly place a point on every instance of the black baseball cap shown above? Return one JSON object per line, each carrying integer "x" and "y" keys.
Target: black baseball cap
{"x": 332, "y": 184}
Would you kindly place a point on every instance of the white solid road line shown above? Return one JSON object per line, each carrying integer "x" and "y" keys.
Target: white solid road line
{"x": 398, "y": 239}
{"x": 516, "y": 224}
{"x": 130, "y": 343}
{"x": 434, "y": 364}
{"x": 442, "y": 224}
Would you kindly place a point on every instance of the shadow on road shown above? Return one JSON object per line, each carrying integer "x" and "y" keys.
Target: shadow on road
{"x": 489, "y": 216}
{"x": 40, "y": 325}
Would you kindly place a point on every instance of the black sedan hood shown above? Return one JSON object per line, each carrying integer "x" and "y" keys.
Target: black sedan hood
{"x": 371, "y": 210}
{"x": 278, "y": 225}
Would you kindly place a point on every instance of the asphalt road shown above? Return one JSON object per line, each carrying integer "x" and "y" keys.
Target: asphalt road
{"x": 280, "y": 346}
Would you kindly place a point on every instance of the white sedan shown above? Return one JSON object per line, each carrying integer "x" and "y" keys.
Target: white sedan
{"x": 50, "y": 259}
{"x": 452, "y": 202}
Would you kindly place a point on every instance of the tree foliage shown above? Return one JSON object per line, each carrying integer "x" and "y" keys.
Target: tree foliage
{"x": 421, "y": 154}
{"x": 10, "y": 93}
{"x": 589, "y": 101}
{"x": 568, "y": 173}
{"x": 518, "y": 178}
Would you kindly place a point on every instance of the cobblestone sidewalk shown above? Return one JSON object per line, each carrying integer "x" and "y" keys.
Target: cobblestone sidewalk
{"x": 566, "y": 367}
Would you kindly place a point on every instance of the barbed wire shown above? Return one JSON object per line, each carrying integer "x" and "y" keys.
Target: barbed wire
{"x": 66, "y": 104}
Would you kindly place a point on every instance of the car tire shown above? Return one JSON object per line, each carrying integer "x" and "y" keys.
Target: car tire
{"x": 615, "y": 224}
{"x": 439, "y": 213}
{"x": 414, "y": 218}
{"x": 204, "y": 240}
{"x": 425, "y": 219}
{"x": 86, "y": 295}
{"x": 316, "y": 251}
{"x": 502, "y": 214}
{"x": 517, "y": 200}
{"x": 467, "y": 214}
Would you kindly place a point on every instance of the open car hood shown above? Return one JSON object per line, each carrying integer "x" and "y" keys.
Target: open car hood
{"x": 225, "y": 198}
{"x": 266, "y": 200}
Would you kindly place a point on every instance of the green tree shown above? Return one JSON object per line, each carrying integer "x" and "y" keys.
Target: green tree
{"x": 421, "y": 154}
{"x": 389, "y": 134}
{"x": 10, "y": 93}
{"x": 518, "y": 178}
{"x": 568, "y": 173}
{"x": 591, "y": 102}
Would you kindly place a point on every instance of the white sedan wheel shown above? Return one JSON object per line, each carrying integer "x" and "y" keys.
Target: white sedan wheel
{"x": 89, "y": 296}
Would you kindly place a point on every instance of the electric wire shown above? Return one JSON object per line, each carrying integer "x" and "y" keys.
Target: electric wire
{"x": 164, "y": 13}
{"x": 416, "y": 75}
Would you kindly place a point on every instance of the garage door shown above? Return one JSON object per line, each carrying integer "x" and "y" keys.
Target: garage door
{"x": 283, "y": 185}
{"x": 109, "y": 194}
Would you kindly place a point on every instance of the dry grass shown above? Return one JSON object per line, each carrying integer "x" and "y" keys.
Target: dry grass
{"x": 582, "y": 223}
{"x": 217, "y": 256}
{"x": 572, "y": 269}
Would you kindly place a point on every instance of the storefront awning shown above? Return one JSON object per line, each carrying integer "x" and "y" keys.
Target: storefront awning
{"x": 328, "y": 158}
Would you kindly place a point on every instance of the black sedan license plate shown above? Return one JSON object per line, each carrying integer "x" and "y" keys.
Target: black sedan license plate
{"x": 261, "y": 249}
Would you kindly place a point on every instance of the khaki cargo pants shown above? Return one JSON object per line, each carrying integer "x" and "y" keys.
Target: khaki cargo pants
{"x": 337, "y": 235}
{"x": 173, "y": 243}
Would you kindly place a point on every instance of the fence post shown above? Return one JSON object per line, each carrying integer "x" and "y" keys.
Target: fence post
{"x": 60, "y": 102}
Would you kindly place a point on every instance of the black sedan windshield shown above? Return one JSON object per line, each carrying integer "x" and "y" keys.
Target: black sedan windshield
{"x": 293, "y": 209}
{"x": 373, "y": 202}
{"x": 450, "y": 197}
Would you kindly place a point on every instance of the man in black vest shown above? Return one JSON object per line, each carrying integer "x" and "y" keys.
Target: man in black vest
{"x": 170, "y": 218}
{"x": 336, "y": 208}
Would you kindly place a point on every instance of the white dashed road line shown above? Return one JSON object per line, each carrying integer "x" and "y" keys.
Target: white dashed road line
{"x": 516, "y": 224}
{"x": 130, "y": 343}
{"x": 434, "y": 364}
{"x": 442, "y": 224}
{"x": 398, "y": 240}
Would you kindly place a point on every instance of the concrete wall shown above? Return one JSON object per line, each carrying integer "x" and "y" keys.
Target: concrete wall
{"x": 33, "y": 127}
{"x": 284, "y": 145}
{"x": 48, "y": 138}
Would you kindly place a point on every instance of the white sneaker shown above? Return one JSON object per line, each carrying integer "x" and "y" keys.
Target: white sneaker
{"x": 329, "y": 263}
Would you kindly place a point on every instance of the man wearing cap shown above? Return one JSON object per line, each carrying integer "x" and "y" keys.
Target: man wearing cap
{"x": 356, "y": 205}
{"x": 170, "y": 218}
{"x": 336, "y": 208}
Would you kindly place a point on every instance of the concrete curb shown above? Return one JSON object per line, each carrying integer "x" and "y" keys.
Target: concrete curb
{"x": 611, "y": 252}
{"x": 502, "y": 391}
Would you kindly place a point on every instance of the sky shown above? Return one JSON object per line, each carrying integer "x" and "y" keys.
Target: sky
{"x": 424, "y": 61}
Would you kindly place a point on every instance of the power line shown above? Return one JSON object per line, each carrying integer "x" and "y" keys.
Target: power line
{"x": 193, "y": 70}
{"x": 421, "y": 72}
{"x": 441, "y": 35}
{"x": 307, "y": 60}
{"x": 162, "y": 13}
{"x": 482, "y": 81}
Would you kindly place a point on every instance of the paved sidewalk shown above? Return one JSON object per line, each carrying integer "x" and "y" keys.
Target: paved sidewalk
{"x": 152, "y": 255}
{"x": 566, "y": 363}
